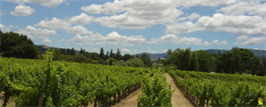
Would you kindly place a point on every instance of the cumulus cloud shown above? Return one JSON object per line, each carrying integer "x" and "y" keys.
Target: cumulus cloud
{"x": 4, "y": 28}
{"x": 125, "y": 51}
{"x": 46, "y": 3}
{"x": 136, "y": 14}
{"x": 47, "y": 41}
{"x": 252, "y": 8}
{"x": 65, "y": 25}
{"x": 241, "y": 25}
{"x": 141, "y": 14}
{"x": 11, "y": 26}
{"x": 21, "y": 10}
{"x": 81, "y": 19}
{"x": 191, "y": 17}
{"x": 244, "y": 40}
{"x": 92, "y": 9}
{"x": 112, "y": 38}
{"x": 172, "y": 38}
{"x": 33, "y": 32}
{"x": 215, "y": 42}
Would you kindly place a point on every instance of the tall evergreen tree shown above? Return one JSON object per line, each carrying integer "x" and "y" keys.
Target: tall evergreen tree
{"x": 72, "y": 52}
{"x": 68, "y": 51}
{"x": 107, "y": 53}
{"x": 101, "y": 53}
{"x": 219, "y": 53}
{"x": 137, "y": 56}
{"x": 118, "y": 54}
{"x": 111, "y": 53}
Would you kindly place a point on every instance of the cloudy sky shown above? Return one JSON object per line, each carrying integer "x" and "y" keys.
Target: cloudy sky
{"x": 136, "y": 26}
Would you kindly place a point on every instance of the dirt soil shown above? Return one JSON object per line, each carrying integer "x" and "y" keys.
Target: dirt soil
{"x": 178, "y": 99}
{"x": 129, "y": 101}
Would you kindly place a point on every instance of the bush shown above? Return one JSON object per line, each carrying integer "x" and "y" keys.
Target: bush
{"x": 101, "y": 61}
{"x": 79, "y": 58}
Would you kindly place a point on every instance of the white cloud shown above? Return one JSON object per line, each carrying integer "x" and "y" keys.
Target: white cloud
{"x": 46, "y": 3}
{"x": 241, "y": 25}
{"x": 215, "y": 42}
{"x": 62, "y": 40}
{"x": 47, "y": 41}
{"x": 81, "y": 19}
{"x": 164, "y": 39}
{"x": 11, "y": 26}
{"x": 191, "y": 17}
{"x": 125, "y": 51}
{"x": 172, "y": 38}
{"x": 242, "y": 40}
{"x": 21, "y": 10}
{"x": 92, "y": 9}
{"x": 213, "y": 3}
{"x": 65, "y": 25}
{"x": 112, "y": 38}
{"x": 252, "y": 8}
{"x": 138, "y": 14}
{"x": 4, "y": 28}
{"x": 33, "y": 32}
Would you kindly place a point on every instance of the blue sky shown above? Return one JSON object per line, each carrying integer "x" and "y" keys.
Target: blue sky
{"x": 136, "y": 26}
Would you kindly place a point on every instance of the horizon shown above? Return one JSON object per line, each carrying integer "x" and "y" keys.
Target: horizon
{"x": 150, "y": 26}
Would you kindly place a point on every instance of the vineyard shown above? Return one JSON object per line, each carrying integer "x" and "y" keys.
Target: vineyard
{"x": 48, "y": 83}
{"x": 206, "y": 89}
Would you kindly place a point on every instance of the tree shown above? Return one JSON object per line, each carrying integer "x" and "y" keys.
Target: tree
{"x": 254, "y": 64}
{"x": 19, "y": 46}
{"x": 159, "y": 59}
{"x": 127, "y": 57}
{"x": 180, "y": 57}
{"x": 263, "y": 69}
{"x": 227, "y": 62}
{"x": 101, "y": 53}
{"x": 72, "y": 51}
{"x": 68, "y": 51}
{"x": 82, "y": 51}
{"x": 146, "y": 59}
{"x": 194, "y": 64}
{"x": 118, "y": 55}
{"x": 219, "y": 53}
{"x": 137, "y": 56}
{"x": 107, "y": 53}
{"x": 204, "y": 60}
{"x": 245, "y": 55}
{"x": 112, "y": 55}
{"x": 132, "y": 56}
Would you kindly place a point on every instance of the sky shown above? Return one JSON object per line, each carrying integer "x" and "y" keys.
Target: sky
{"x": 136, "y": 26}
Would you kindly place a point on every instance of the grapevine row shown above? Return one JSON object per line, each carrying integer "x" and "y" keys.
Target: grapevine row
{"x": 218, "y": 92}
{"x": 65, "y": 84}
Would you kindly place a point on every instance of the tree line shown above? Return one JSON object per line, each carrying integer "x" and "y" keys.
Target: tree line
{"x": 238, "y": 60}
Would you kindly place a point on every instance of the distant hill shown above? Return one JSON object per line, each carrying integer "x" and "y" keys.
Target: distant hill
{"x": 155, "y": 57}
{"x": 45, "y": 48}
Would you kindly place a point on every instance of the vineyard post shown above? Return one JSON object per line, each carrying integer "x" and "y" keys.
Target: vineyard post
{"x": 40, "y": 100}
